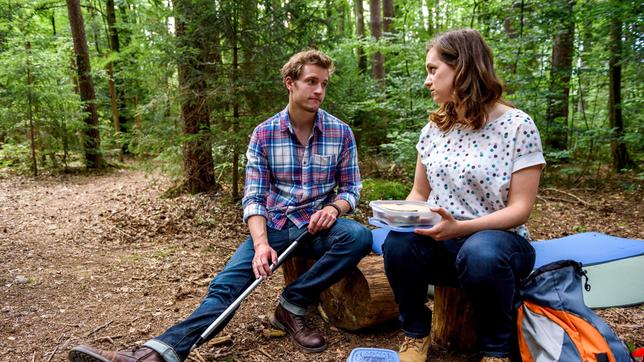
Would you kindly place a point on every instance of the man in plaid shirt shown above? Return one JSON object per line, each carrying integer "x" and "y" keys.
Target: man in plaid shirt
{"x": 302, "y": 174}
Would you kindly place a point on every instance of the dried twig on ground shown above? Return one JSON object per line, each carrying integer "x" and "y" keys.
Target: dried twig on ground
{"x": 99, "y": 328}
{"x": 58, "y": 346}
{"x": 265, "y": 353}
{"x": 108, "y": 338}
{"x": 567, "y": 194}
{"x": 197, "y": 356}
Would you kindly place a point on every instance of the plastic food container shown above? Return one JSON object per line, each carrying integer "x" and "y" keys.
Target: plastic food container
{"x": 373, "y": 355}
{"x": 403, "y": 213}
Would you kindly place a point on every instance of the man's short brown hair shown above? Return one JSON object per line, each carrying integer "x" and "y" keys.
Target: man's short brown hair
{"x": 293, "y": 68}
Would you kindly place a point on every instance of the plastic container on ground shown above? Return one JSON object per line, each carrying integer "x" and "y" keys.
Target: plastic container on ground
{"x": 373, "y": 355}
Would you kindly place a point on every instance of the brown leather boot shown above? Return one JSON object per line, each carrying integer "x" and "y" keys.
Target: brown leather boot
{"x": 136, "y": 354}
{"x": 414, "y": 349}
{"x": 304, "y": 337}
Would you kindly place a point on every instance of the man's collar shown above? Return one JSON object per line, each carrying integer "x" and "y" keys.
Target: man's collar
{"x": 285, "y": 122}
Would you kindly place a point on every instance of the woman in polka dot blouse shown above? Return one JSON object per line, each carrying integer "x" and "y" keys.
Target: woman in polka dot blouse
{"x": 479, "y": 164}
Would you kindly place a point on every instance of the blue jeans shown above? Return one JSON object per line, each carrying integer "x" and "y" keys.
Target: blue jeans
{"x": 337, "y": 249}
{"x": 486, "y": 266}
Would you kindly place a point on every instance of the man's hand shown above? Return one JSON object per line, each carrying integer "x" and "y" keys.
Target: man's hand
{"x": 322, "y": 219}
{"x": 447, "y": 228}
{"x": 263, "y": 255}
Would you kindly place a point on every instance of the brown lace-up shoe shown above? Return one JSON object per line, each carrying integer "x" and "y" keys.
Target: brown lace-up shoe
{"x": 136, "y": 354}
{"x": 495, "y": 359}
{"x": 302, "y": 336}
{"x": 414, "y": 349}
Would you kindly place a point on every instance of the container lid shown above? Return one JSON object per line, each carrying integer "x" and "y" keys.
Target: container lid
{"x": 401, "y": 229}
{"x": 402, "y": 207}
{"x": 373, "y": 355}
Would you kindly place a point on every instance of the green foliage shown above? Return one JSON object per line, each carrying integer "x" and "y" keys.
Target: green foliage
{"x": 238, "y": 48}
{"x": 16, "y": 156}
{"x": 379, "y": 189}
{"x": 402, "y": 149}
{"x": 34, "y": 67}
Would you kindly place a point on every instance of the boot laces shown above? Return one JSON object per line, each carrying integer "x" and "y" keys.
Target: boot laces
{"x": 299, "y": 323}
{"x": 409, "y": 342}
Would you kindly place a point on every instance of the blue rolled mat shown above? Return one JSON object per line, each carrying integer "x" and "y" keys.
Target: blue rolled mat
{"x": 615, "y": 265}
{"x": 588, "y": 248}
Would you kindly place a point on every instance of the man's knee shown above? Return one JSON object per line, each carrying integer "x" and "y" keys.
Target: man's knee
{"x": 362, "y": 239}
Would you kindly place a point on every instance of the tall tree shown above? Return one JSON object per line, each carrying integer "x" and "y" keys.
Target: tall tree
{"x": 92, "y": 140}
{"x": 30, "y": 113}
{"x": 619, "y": 152}
{"x": 388, "y": 16}
{"x": 251, "y": 93}
{"x": 378, "y": 66}
{"x": 431, "y": 5}
{"x": 117, "y": 92}
{"x": 198, "y": 164}
{"x": 560, "y": 74}
{"x": 362, "y": 57}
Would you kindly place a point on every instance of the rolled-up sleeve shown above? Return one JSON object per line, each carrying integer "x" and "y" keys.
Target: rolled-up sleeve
{"x": 348, "y": 173}
{"x": 257, "y": 178}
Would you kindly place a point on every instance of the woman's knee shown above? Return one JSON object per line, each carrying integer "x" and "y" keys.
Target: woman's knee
{"x": 396, "y": 249}
{"x": 481, "y": 255}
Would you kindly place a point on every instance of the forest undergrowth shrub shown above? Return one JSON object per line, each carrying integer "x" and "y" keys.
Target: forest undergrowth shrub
{"x": 379, "y": 189}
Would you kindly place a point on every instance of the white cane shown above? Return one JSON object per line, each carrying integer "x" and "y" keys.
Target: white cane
{"x": 231, "y": 308}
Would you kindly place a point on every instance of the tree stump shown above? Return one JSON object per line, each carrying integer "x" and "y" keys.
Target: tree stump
{"x": 452, "y": 320}
{"x": 362, "y": 298}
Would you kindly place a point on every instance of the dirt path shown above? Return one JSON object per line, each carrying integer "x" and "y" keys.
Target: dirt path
{"x": 105, "y": 260}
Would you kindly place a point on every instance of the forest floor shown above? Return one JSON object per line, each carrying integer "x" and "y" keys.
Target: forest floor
{"x": 107, "y": 260}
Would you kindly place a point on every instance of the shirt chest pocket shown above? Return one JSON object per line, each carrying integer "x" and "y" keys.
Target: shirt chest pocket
{"x": 323, "y": 168}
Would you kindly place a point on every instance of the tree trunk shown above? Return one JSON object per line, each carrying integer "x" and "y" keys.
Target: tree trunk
{"x": 235, "y": 167}
{"x": 362, "y": 57}
{"x": 92, "y": 141}
{"x": 32, "y": 127}
{"x": 114, "y": 104}
{"x": 560, "y": 73}
{"x": 431, "y": 24}
{"x": 119, "y": 119}
{"x": 344, "y": 25}
{"x": 388, "y": 18}
{"x": 198, "y": 164}
{"x": 452, "y": 320}
{"x": 248, "y": 69}
{"x": 363, "y": 298}
{"x": 378, "y": 67}
{"x": 329, "y": 9}
{"x": 619, "y": 153}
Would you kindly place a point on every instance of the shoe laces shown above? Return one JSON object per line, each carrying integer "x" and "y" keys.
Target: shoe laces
{"x": 299, "y": 322}
{"x": 409, "y": 342}
{"x": 494, "y": 359}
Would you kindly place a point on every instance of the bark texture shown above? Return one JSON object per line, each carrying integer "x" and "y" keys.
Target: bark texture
{"x": 91, "y": 141}
{"x": 363, "y": 298}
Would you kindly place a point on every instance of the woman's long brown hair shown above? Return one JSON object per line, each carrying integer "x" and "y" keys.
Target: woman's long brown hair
{"x": 476, "y": 85}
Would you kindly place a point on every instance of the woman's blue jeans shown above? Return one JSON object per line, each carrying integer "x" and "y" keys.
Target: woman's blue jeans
{"x": 337, "y": 249}
{"x": 486, "y": 266}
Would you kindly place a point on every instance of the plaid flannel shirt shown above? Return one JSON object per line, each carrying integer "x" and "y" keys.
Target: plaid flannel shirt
{"x": 286, "y": 180}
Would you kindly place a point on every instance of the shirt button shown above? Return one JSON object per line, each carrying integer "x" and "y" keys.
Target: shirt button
{"x": 304, "y": 163}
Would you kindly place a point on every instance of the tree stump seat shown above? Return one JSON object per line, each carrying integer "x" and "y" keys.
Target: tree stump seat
{"x": 361, "y": 299}
{"x": 452, "y": 320}
{"x": 364, "y": 298}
